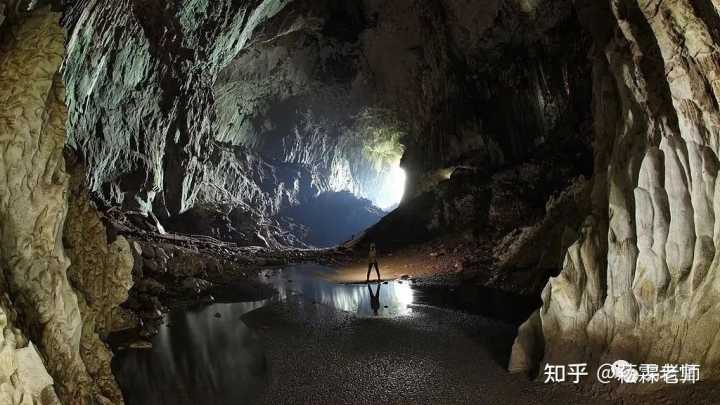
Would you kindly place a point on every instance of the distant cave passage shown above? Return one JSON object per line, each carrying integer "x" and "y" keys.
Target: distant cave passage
{"x": 332, "y": 218}
{"x": 362, "y": 178}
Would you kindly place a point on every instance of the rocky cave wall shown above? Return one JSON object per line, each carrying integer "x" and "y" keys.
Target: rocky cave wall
{"x": 237, "y": 106}
{"x": 490, "y": 85}
{"x": 443, "y": 76}
{"x": 500, "y": 143}
{"x": 292, "y": 96}
{"x": 150, "y": 90}
{"x": 141, "y": 107}
{"x": 52, "y": 307}
{"x": 481, "y": 85}
{"x": 250, "y": 108}
{"x": 641, "y": 283}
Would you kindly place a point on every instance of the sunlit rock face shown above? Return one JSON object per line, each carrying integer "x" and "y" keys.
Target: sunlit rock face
{"x": 193, "y": 106}
{"x": 480, "y": 84}
{"x": 641, "y": 283}
{"x": 301, "y": 93}
{"x": 171, "y": 110}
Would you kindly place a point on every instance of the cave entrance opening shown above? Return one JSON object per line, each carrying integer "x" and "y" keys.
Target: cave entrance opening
{"x": 360, "y": 175}
{"x": 392, "y": 189}
{"x": 334, "y": 217}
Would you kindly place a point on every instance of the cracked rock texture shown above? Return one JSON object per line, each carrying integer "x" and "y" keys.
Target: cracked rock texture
{"x": 641, "y": 283}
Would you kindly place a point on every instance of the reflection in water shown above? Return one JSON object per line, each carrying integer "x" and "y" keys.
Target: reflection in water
{"x": 196, "y": 358}
{"x": 475, "y": 299}
{"x": 202, "y": 359}
{"x": 374, "y": 299}
{"x": 305, "y": 280}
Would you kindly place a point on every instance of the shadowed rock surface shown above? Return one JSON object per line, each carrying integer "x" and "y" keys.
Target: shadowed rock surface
{"x": 151, "y": 153}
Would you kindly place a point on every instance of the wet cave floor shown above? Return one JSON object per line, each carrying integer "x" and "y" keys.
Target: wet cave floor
{"x": 317, "y": 341}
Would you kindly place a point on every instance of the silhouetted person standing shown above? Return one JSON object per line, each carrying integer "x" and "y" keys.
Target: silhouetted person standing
{"x": 372, "y": 260}
{"x": 375, "y": 299}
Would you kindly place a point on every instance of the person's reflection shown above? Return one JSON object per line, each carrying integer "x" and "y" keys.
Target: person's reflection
{"x": 374, "y": 299}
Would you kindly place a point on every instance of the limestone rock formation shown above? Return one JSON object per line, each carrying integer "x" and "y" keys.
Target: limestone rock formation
{"x": 641, "y": 282}
{"x": 149, "y": 105}
{"x": 226, "y": 118}
{"x": 33, "y": 208}
{"x": 161, "y": 71}
{"x": 542, "y": 246}
{"x": 259, "y": 107}
{"x": 32, "y": 205}
{"x": 22, "y": 371}
{"x": 100, "y": 272}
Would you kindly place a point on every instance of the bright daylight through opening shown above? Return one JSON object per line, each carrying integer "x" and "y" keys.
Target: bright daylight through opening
{"x": 393, "y": 189}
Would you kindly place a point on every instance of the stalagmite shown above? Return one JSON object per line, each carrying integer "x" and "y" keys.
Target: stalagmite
{"x": 655, "y": 299}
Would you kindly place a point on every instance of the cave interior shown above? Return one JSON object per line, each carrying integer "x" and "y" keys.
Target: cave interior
{"x": 191, "y": 190}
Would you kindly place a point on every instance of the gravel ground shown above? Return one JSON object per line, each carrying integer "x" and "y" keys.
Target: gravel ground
{"x": 317, "y": 355}
{"x": 311, "y": 353}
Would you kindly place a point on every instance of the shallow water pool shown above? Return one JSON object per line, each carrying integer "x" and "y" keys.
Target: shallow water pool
{"x": 209, "y": 352}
